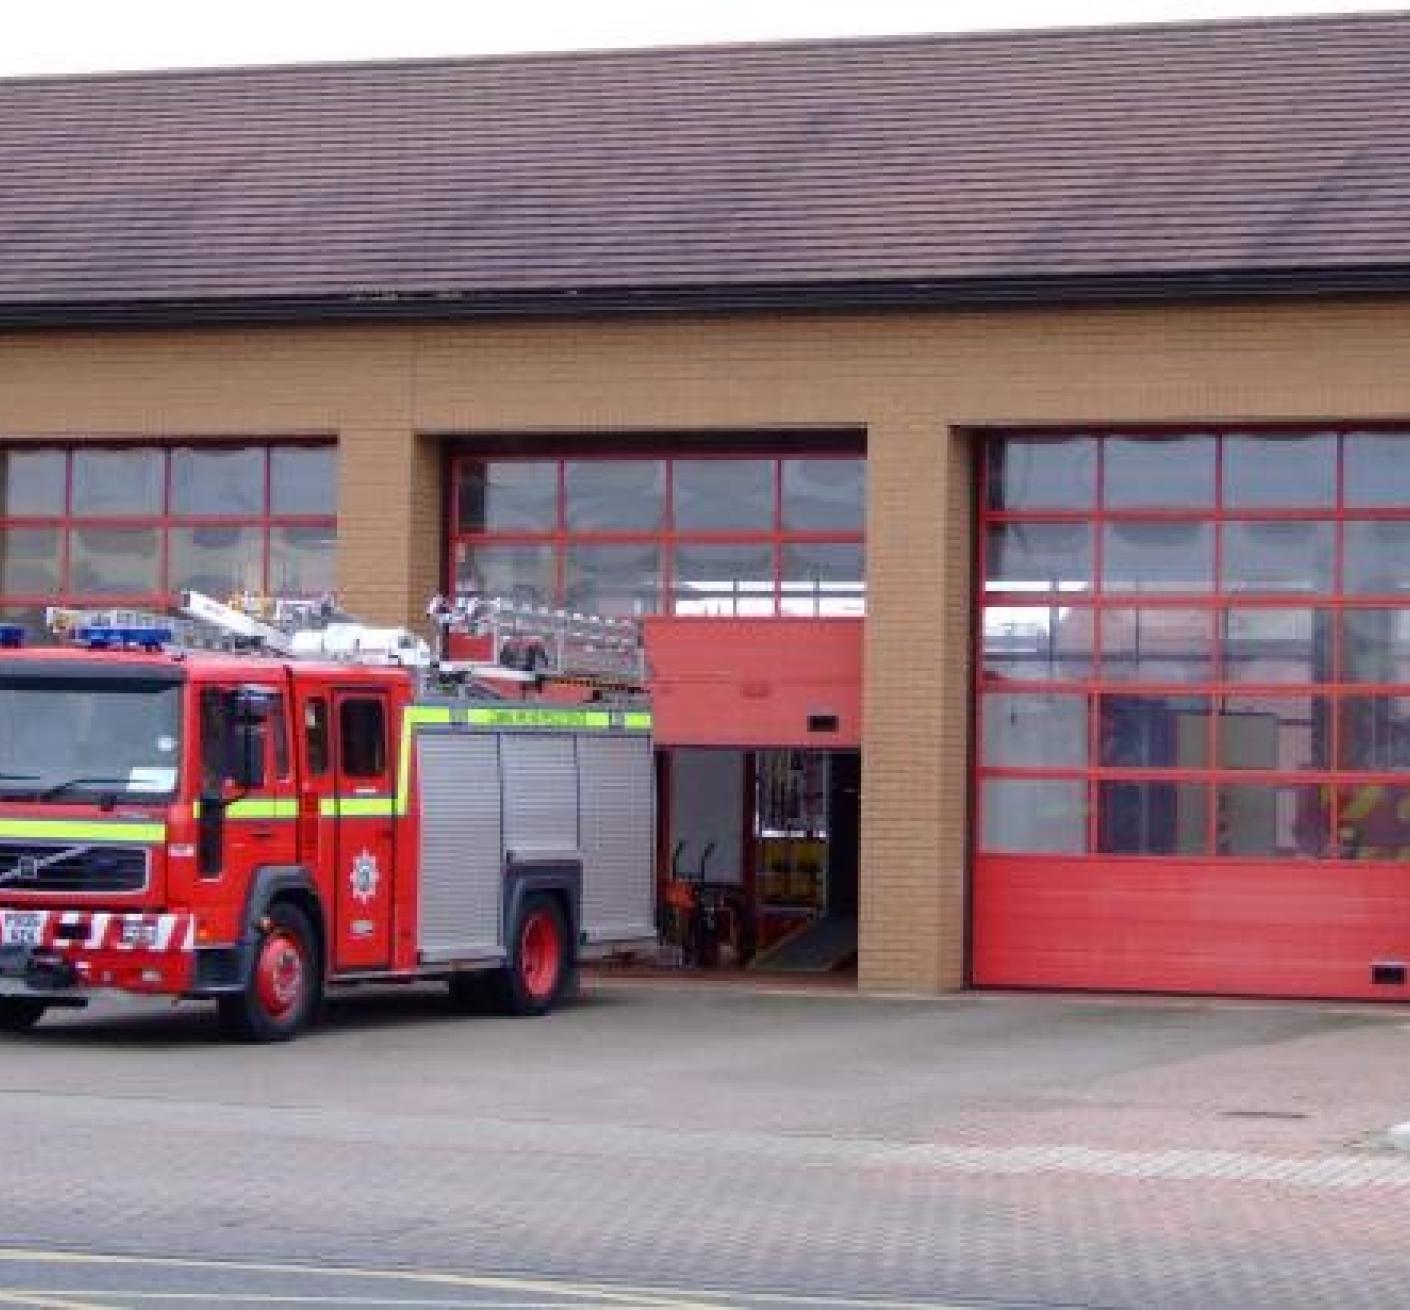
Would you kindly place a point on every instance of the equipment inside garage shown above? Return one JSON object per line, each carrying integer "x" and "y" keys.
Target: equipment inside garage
{"x": 760, "y": 859}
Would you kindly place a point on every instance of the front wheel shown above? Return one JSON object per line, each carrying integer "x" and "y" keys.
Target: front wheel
{"x": 540, "y": 960}
{"x": 18, "y": 1014}
{"x": 284, "y": 985}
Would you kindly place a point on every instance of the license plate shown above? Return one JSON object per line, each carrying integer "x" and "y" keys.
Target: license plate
{"x": 21, "y": 929}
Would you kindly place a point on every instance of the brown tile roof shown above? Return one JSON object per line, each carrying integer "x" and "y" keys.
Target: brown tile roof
{"x": 960, "y": 167}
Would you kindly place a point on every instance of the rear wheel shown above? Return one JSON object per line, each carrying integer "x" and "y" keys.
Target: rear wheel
{"x": 540, "y": 960}
{"x": 19, "y": 1014}
{"x": 284, "y": 985}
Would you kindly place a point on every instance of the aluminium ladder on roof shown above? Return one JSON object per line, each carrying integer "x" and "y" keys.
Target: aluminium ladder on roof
{"x": 531, "y": 642}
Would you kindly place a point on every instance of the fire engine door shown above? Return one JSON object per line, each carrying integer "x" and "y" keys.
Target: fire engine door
{"x": 251, "y": 828}
{"x": 364, "y": 845}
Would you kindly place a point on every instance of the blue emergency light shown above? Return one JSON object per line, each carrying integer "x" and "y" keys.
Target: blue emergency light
{"x": 108, "y": 636}
{"x": 11, "y": 636}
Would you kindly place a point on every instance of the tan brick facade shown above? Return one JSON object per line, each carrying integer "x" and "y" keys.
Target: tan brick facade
{"x": 916, "y": 383}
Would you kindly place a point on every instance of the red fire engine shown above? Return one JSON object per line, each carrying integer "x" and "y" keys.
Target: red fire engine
{"x": 255, "y": 828}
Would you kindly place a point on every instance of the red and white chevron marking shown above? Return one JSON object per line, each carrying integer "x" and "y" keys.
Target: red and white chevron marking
{"x": 98, "y": 930}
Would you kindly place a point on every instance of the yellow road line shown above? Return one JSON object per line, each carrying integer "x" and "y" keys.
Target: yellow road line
{"x": 627, "y": 1296}
{"x": 49, "y": 1300}
{"x": 120, "y": 1296}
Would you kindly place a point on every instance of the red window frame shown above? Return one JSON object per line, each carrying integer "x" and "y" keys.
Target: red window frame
{"x": 666, "y": 538}
{"x": 67, "y": 521}
{"x": 1336, "y": 690}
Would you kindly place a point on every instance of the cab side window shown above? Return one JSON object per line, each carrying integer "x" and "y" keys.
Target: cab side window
{"x": 316, "y": 735}
{"x": 226, "y": 744}
{"x": 281, "y": 738}
{"x": 364, "y": 738}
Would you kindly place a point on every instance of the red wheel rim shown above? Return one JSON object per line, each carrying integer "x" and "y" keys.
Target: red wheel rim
{"x": 540, "y": 955}
{"x": 279, "y": 974}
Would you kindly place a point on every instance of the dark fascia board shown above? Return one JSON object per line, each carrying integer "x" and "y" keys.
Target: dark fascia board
{"x": 839, "y": 296}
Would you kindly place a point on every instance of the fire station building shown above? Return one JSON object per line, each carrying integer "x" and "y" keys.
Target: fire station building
{"x": 1005, "y": 440}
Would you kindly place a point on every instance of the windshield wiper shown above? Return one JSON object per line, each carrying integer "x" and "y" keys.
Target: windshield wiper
{"x": 58, "y": 788}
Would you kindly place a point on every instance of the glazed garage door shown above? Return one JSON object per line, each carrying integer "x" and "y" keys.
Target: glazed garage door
{"x": 1193, "y": 717}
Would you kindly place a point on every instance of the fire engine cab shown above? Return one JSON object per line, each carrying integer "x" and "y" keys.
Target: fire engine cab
{"x": 254, "y": 827}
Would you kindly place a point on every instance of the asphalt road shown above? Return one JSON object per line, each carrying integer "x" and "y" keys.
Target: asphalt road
{"x": 666, "y": 1147}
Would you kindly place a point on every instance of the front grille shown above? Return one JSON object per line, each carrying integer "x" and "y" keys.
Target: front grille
{"x": 71, "y": 867}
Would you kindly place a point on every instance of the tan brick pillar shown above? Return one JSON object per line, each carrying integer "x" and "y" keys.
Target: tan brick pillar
{"x": 915, "y": 765}
{"x": 390, "y": 533}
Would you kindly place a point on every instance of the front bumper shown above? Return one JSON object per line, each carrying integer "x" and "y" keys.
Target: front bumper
{"x": 58, "y": 953}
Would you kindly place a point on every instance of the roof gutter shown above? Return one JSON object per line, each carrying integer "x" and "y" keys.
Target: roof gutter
{"x": 722, "y": 298}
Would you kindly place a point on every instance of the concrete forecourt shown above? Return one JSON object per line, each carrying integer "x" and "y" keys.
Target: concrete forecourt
{"x": 671, "y": 1144}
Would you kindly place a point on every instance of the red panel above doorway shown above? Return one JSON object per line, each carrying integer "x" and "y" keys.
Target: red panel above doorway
{"x": 756, "y": 682}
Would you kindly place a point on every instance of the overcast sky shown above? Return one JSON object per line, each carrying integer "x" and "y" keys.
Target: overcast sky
{"x": 66, "y": 36}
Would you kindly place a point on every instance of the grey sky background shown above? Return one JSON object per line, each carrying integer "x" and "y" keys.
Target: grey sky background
{"x": 71, "y": 36}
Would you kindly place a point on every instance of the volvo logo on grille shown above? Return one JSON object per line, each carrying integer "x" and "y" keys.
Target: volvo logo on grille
{"x": 27, "y": 866}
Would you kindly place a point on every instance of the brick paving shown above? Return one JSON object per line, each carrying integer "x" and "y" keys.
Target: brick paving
{"x": 976, "y": 1150}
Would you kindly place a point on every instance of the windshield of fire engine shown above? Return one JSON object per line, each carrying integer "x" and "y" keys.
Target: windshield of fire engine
{"x": 76, "y": 739}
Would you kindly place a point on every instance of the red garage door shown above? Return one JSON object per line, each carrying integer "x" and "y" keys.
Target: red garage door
{"x": 1194, "y": 713}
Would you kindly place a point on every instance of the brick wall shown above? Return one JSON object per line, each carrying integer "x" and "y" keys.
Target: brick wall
{"x": 917, "y": 383}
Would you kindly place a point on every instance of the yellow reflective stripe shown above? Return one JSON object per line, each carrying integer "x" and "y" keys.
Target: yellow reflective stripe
{"x": 67, "y": 830}
{"x": 412, "y": 718}
{"x": 536, "y": 717}
{"x": 358, "y": 807}
{"x": 256, "y": 809}
{"x": 637, "y": 721}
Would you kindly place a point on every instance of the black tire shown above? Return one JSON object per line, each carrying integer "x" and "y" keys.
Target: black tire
{"x": 283, "y": 988}
{"x": 526, "y": 986}
{"x": 18, "y": 1014}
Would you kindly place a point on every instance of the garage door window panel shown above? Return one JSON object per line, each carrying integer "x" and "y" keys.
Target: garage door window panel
{"x": 725, "y": 581}
{"x": 31, "y": 561}
{"x": 1377, "y": 556}
{"x": 1373, "y": 822}
{"x": 1374, "y": 734}
{"x": 215, "y": 559}
{"x": 1053, "y": 473}
{"x": 1274, "y": 822}
{"x": 823, "y": 580}
{"x": 1152, "y": 818}
{"x": 303, "y": 481}
{"x": 621, "y": 581}
{"x": 508, "y": 496}
{"x": 1039, "y": 643}
{"x": 723, "y": 495}
{"x": 301, "y": 560}
{"x": 1157, "y": 645}
{"x": 118, "y": 483}
{"x": 34, "y": 483}
{"x": 1375, "y": 646}
{"x": 1272, "y": 471}
{"x": 1376, "y": 470}
{"x": 1035, "y": 731}
{"x": 1154, "y": 732}
{"x": 1159, "y": 472}
{"x": 110, "y": 562}
{"x": 219, "y": 483}
{"x": 1274, "y": 645}
{"x": 1155, "y": 557}
{"x": 615, "y": 495}
{"x": 1277, "y": 557}
{"x": 1280, "y": 733}
{"x": 1039, "y": 557}
{"x": 823, "y": 495}
{"x": 1024, "y": 816}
